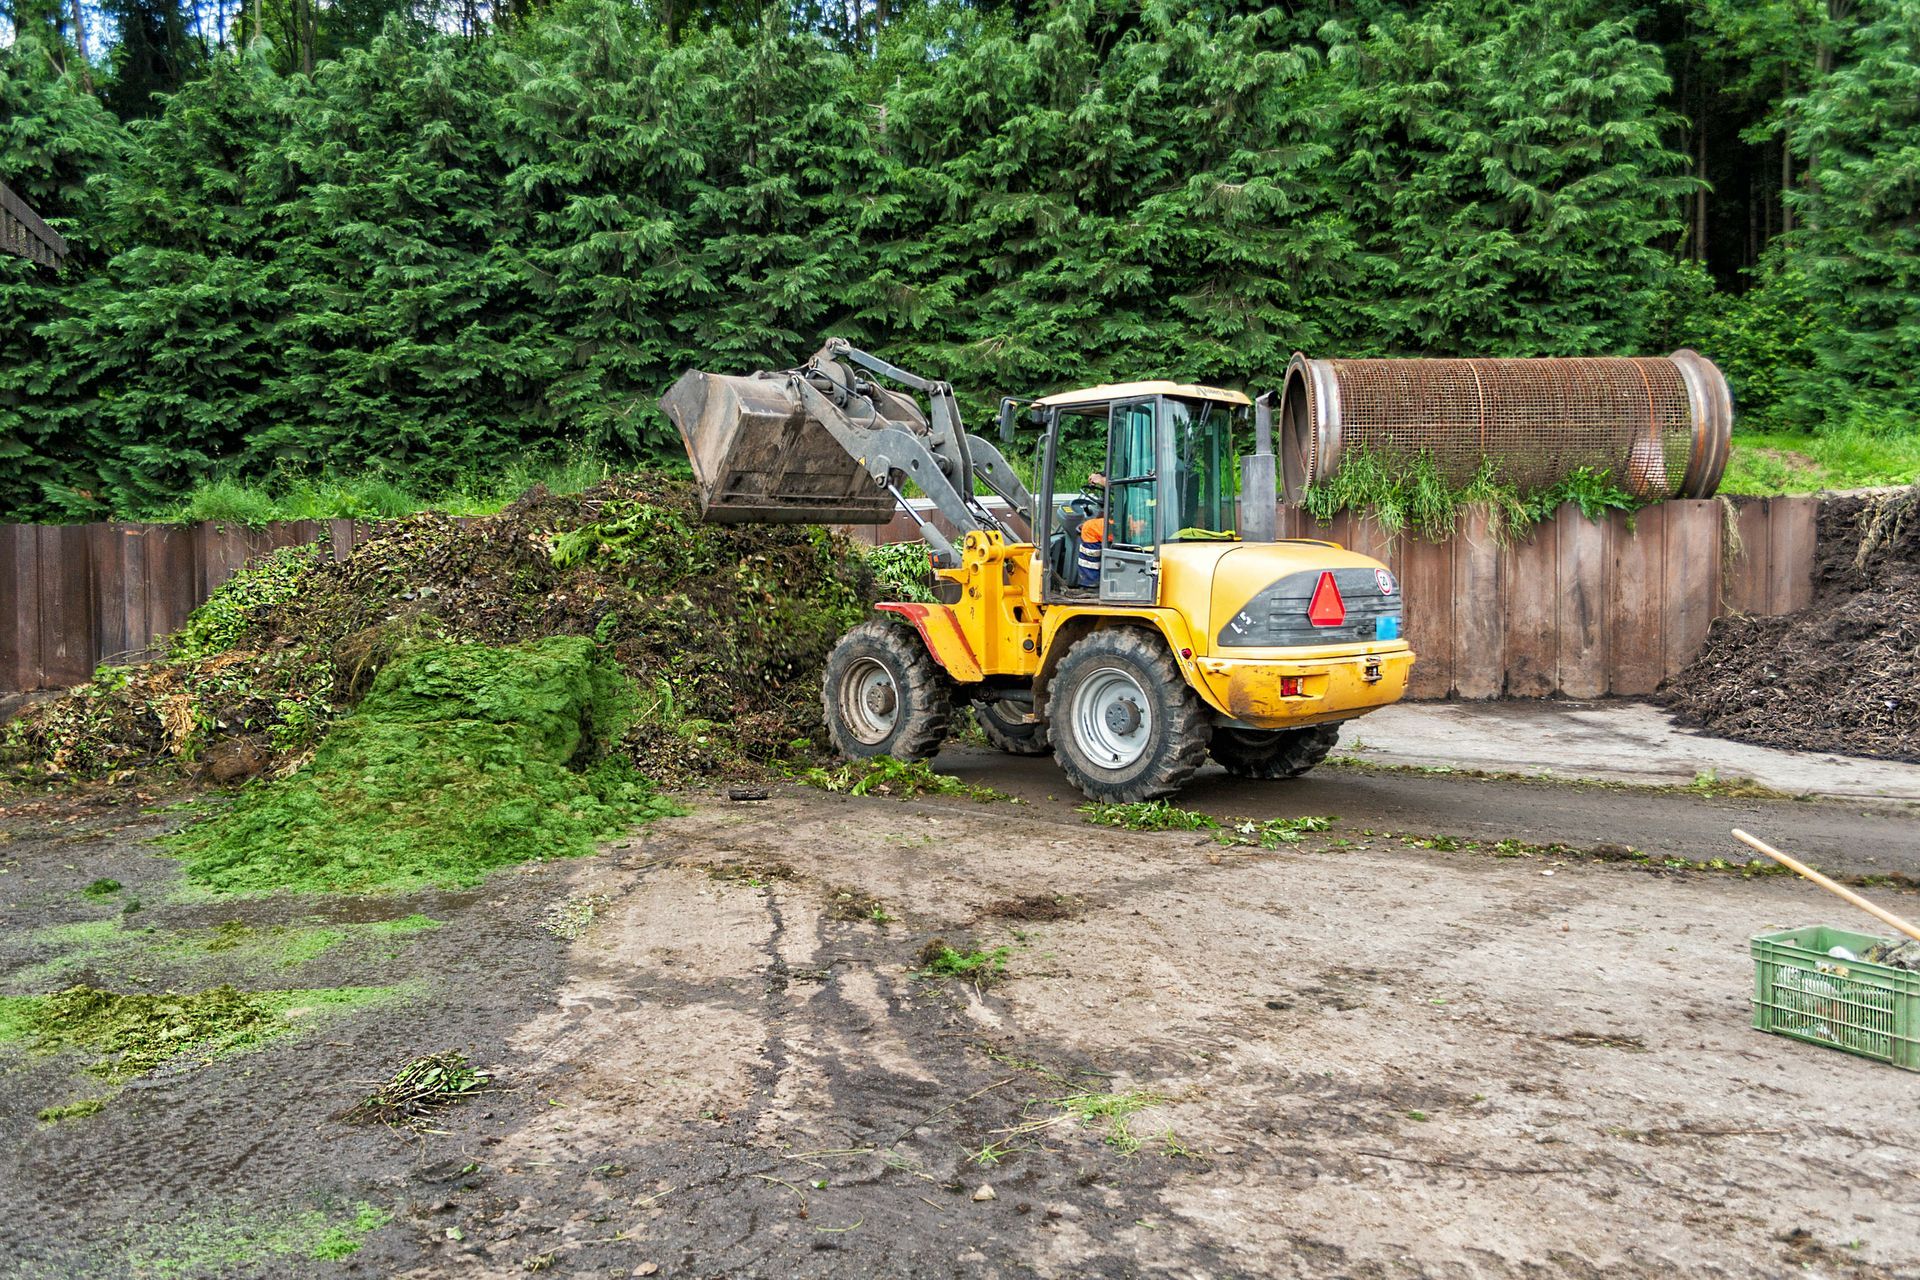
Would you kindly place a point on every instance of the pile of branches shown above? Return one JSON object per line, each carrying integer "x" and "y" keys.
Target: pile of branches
{"x": 723, "y": 630}
{"x": 419, "y": 1088}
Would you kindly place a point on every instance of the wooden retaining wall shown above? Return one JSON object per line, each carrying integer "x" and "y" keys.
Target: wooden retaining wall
{"x": 73, "y": 596}
{"x": 1580, "y": 608}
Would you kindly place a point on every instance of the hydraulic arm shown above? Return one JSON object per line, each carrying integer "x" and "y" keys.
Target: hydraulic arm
{"x": 822, "y": 441}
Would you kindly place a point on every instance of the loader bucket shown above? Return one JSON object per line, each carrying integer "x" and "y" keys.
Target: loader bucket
{"x": 759, "y": 457}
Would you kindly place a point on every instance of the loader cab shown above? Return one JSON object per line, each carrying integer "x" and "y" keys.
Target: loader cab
{"x": 1167, "y": 453}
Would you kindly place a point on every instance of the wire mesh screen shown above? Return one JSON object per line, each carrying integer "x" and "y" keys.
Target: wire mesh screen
{"x": 1659, "y": 425}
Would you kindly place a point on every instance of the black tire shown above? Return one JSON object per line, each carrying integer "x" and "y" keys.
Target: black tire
{"x": 1275, "y": 753}
{"x": 884, "y": 695}
{"x": 1109, "y": 676}
{"x": 1011, "y": 736}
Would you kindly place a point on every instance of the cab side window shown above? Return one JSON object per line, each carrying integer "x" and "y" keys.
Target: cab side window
{"x": 1130, "y": 476}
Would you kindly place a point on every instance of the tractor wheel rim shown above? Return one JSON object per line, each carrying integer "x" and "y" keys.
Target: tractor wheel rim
{"x": 1113, "y": 717}
{"x": 869, "y": 701}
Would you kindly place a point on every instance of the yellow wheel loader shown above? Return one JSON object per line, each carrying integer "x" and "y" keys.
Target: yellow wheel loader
{"x": 1134, "y": 629}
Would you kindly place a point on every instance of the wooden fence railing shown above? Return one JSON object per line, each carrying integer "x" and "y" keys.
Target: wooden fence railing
{"x": 1580, "y": 608}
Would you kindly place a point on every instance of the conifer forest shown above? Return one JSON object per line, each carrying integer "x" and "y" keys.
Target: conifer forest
{"x": 422, "y": 236}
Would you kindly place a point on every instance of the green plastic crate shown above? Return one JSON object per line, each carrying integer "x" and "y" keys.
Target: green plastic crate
{"x": 1801, "y": 991}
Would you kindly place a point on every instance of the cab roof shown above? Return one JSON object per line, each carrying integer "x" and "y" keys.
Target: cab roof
{"x": 1090, "y": 396}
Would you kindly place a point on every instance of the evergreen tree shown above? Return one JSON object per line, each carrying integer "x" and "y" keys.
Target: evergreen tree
{"x": 409, "y": 341}
{"x": 182, "y": 336}
{"x": 1860, "y": 247}
{"x": 1509, "y": 163}
{"x": 55, "y": 140}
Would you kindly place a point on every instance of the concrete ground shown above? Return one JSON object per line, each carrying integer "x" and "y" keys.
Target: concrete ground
{"x": 1614, "y": 740}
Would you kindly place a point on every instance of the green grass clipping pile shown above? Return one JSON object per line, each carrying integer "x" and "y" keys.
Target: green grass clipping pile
{"x": 462, "y": 758}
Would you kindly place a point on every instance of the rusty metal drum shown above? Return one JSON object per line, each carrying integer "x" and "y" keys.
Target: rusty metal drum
{"x": 1660, "y": 425}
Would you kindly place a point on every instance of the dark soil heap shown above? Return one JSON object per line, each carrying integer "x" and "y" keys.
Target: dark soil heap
{"x": 1842, "y": 675}
{"x": 722, "y": 629}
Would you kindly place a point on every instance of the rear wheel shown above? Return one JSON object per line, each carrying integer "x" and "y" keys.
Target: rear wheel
{"x": 1011, "y": 735}
{"x": 1272, "y": 753}
{"x": 1125, "y": 724}
{"x": 884, "y": 695}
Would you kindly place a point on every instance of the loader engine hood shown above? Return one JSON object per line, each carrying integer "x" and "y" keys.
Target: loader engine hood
{"x": 1281, "y": 615}
{"x": 1264, "y": 597}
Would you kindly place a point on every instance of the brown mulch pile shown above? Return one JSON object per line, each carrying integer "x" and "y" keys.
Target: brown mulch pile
{"x": 724, "y": 630}
{"x": 1842, "y": 675}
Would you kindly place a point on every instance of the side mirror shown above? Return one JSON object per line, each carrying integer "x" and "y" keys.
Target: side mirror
{"x": 1008, "y": 407}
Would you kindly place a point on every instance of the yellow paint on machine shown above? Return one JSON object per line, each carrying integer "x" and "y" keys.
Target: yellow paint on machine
{"x": 998, "y": 627}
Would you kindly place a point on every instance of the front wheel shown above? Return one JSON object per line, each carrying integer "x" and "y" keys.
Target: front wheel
{"x": 884, "y": 695}
{"x": 1126, "y": 725}
{"x": 1272, "y": 753}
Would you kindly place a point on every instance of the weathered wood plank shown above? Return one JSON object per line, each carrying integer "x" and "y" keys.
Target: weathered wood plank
{"x": 1290, "y": 522}
{"x": 1792, "y": 545}
{"x": 172, "y": 580}
{"x": 19, "y": 607}
{"x": 67, "y": 653}
{"x": 1692, "y": 577}
{"x": 1479, "y": 613}
{"x": 1748, "y": 575}
{"x": 1635, "y": 596}
{"x": 1426, "y": 591}
{"x": 1532, "y": 591}
{"x": 113, "y": 629}
{"x": 1580, "y": 620}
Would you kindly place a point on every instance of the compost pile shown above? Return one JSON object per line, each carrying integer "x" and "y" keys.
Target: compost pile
{"x": 723, "y": 631}
{"x": 1842, "y": 675}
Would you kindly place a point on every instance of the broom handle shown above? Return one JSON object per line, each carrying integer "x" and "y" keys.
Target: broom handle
{"x": 1802, "y": 869}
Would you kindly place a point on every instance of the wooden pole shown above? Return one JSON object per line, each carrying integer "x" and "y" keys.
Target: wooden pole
{"x": 1802, "y": 869}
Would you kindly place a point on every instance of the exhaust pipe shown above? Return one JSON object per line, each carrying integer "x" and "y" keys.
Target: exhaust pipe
{"x": 1259, "y": 492}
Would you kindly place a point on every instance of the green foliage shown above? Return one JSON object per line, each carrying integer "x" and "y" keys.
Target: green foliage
{"x": 434, "y": 254}
{"x": 886, "y": 776}
{"x": 638, "y": 542}
{"x": 1148, "y": 815}
{"x": 1113, "y": 1112}
{"x": 1863, "y": 450}
{"x": 1591, "y": 489}
{"x": 460, "y": 760}
{"x": 241, "y": 1239}
{"x": 1858, "y": 131}
{"x": 979, "y": 966}
{"x": 74, "y": 1110}
{"x": 1415, "y": 495}
{"x": 901, "y": 571}
{"x": 1397, "y": 494}
{"x": 102, "y": 888}
{"x": 1271, "y": 833}
{"x": 241, "y": 600}
{"x": 429, "y": 254}
{"x": 135, "y": 1033}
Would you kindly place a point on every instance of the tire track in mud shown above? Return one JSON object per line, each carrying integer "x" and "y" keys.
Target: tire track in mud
{"x": 850, "y": 1060}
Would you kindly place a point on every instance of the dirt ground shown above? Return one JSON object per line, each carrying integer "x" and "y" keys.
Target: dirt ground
{"x": 1344, "y": 1059}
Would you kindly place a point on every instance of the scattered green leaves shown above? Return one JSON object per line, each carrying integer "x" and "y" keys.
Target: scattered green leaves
{"x": 886, "y": 776}
{"x": 1271, "y": 833}
{"x": 978, "y": 966}
{"x": 1148, "y": 815}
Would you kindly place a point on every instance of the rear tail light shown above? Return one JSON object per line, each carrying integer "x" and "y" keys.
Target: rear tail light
{"x": 1289, "y": 686}
{"x": 1326, "y": 609}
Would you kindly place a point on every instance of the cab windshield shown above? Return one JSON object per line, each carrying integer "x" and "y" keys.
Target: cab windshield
{"x": 1206, "y": 472}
